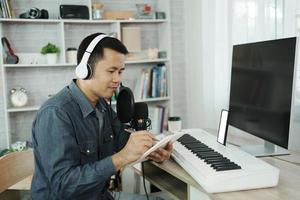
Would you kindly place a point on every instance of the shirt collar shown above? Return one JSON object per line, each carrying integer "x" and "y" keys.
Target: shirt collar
{"x": 84, "y": 104}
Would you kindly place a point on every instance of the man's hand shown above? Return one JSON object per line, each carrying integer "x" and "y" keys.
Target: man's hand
{"x": 162, "y": 154}
{"x": 138, "y": 143}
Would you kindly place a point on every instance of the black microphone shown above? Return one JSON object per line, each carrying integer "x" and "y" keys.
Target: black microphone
{"x": 140, "y": 120}
{"x": 125, "y": 104}
{"x": 136, "y": 114}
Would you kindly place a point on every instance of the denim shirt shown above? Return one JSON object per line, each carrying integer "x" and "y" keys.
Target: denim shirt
{"x": 72, "y": 155}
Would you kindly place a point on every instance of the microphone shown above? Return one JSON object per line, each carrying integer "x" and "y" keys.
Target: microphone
{"x": 140, "y": 119}
{"x": 136, "y": 114}
{"x": 125, "y": 104}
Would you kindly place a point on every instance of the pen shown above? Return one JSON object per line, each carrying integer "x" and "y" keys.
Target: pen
{"x": 132, "y": 130}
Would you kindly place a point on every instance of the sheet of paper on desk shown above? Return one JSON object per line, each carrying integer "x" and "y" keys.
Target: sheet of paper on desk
{"x": 160, "y": 144}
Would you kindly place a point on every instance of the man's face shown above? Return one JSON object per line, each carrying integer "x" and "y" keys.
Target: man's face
{"x": 107, "y": 74}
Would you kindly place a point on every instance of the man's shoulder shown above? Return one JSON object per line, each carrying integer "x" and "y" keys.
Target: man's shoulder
{"x": 59, "y": 100}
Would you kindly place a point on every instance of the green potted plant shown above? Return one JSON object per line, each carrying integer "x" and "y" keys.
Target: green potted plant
{"x": 51, "y": 51}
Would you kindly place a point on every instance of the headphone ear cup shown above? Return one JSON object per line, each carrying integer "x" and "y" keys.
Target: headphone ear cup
{"x": 81, "y": 71}
{"x": 90, "y": 72}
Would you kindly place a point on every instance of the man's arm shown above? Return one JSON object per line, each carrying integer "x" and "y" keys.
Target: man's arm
{"x": 59, "y": 155}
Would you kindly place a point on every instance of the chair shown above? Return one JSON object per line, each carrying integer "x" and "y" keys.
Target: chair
{"x": 15, "y": 167}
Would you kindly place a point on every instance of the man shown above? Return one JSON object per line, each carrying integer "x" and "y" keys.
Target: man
{"x": 78, "y": 141}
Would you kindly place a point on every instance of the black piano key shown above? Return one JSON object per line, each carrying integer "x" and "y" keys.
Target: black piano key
{"x": 215, "y": 160}
{"x": 209, "y": 152}
{"x": 191, "y": 142}
{"x": 219, "y": 168}
{"x": 208, "y": 156}
{"x": 202, "y": 150}
{"x": 194, "y": 145}
{"x": 225, "y": 168}
{"x": 221, "y": 164}
{"x": 186, "y": 138}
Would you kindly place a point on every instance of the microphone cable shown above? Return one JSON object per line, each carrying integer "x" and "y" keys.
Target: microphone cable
{"x": 143, "y": 173}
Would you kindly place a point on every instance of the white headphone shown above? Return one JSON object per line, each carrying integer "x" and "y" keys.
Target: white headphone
{"x": 84, "y": 70}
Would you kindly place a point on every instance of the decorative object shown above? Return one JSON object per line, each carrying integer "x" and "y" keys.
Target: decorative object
{"x": 18, "y": 97}
{"x": 9, "y": 57}
{"x": 118, "y": 14}
{"x": 152, "y": 53}
{"x": 31, "y": 58}
{"x": 174, "y": 124}
{"x": 51, "y": 51}
{"x": 144, "y": 11}
{"x": 162, "y": 54}
{"x": 160, "y": 15}
{"x": 74, "y": 12}
{"x": 72, "y": 55}
{"x": 19, "y": 146}
{"x": 97, "y": 9}
{"x": 131, "y": 38}
{"x": 35, "y": 13}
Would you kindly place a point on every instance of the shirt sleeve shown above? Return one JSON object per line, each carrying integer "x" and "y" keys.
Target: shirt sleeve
{"x": 59, "y": 155}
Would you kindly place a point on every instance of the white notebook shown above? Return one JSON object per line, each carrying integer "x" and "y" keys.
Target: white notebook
{"x": 163, "y": 141}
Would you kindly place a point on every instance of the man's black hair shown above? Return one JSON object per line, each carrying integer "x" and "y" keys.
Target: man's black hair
{"x": 97, "y": 53}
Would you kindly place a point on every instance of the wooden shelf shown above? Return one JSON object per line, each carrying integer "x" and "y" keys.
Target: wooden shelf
{"x": 147, "y": 61}
{"x": 38, "y": 65}
{"x": 153, "y": 99}
{"x": 143, "y": 21}
{"x": 81, "y": 21}
{"x": 18, "y": 20}
{"x": 74, "y": 64}
{"x": 149, "y": 100}
{"x": 23, "y": 109}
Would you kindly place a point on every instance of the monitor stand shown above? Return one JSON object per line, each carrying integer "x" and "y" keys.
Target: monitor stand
{"x": 266, "y": 149}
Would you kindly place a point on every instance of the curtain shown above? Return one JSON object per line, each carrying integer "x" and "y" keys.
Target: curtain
{"x": 211, "y": 28}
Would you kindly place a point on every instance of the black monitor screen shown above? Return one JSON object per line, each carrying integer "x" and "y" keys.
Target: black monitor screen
{"x": 261, "y": 88}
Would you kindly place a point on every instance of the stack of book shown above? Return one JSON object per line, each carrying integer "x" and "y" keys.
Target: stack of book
{"x": 152, "y": 83}
{"x": 6, "y": 10}
{"x": 159, "y": 119}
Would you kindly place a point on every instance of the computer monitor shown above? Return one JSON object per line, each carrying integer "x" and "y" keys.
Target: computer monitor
{"x": 261, "y": 92}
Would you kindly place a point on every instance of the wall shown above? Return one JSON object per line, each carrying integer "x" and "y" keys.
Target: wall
{"x": 178, "y": 59}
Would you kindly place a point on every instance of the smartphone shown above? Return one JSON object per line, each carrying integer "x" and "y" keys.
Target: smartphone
{"x": 223, "y": 126}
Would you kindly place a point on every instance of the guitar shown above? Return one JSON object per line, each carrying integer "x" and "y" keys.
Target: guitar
{"x": 11, "y": 57}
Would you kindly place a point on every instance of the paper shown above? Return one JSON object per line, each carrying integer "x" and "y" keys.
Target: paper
{"x": 161, "y": 143}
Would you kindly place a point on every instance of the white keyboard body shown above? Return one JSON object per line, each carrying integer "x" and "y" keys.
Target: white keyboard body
{"x": 254, "y": 173}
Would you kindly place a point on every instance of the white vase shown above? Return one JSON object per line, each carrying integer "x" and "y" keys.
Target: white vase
{"x": 51, "y": 58}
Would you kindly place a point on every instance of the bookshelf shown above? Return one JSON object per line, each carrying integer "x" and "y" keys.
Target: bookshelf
{"x": 42, "y": 80}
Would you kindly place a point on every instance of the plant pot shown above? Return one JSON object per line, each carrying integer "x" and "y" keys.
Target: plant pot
{"x": 51, "y": 58}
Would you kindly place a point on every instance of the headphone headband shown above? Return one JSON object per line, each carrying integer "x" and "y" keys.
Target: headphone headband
{"x": 82, "y": 70}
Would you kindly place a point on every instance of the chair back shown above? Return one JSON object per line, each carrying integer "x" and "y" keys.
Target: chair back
{"x": 15, "y": 167}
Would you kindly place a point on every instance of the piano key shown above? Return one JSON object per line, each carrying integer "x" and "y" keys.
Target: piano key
{"x": 201, "y": 150}
{"x": 228, "y": 168}
{"x": 194, "y": 145}
{"x": 215, "y": 165}
{"x": 215, "y": 160}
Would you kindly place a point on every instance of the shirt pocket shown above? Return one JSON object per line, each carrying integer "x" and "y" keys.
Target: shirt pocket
{"x": 88, "y": 152}
{"x": 108, "y": 142}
